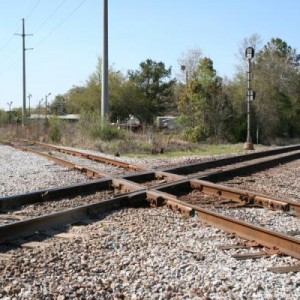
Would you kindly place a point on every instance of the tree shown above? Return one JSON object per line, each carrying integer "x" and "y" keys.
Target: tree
{"x": 204, "y": 107}
{"x": 123, "y": 97}
{"x": 236, "y": 92}
{"x": 4, "y": 117}
{"x": 189, "y": 62}
{"x": 153, "y": 80}
{"x": 144, "y": 93}
{"x": 276, "y": 80}
{"x": 253, "y": 41}
{"x": 58, "y": 105}
{"x": 83, "y": 99}
{"x": 127, "y": 100}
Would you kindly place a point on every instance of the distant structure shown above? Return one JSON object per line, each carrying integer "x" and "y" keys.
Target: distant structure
{"x": 68, "y": 117}
{"x": 166, "y": 122}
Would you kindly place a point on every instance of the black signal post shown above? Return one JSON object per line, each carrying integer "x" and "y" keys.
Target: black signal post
{"x": 249, "y": 53}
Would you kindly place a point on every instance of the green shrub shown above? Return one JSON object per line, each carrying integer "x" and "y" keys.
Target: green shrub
{"x": 56, "y": 127}
{"x": 194, "y": 135}
{"x": 107, "y": 133}
{"x": 92, "y": 124}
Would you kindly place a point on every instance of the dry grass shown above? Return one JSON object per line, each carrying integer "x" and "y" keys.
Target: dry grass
{"x": 142, "y": 144}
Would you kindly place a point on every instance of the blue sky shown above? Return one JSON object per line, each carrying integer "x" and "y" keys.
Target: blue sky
{"x": 67, "y": 37}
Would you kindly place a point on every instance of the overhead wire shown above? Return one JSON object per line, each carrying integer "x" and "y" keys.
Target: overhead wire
{"x": 9, "y": 58}
{"x": 50, "y": 16}
{"x": 33, "y": 9}
{"x": 39, "y": 28}
{"x": 9, "y": 39}
{"x": 60, "y": 24}
{"x": 12, "y": 63}
{"x": 13, "y": 34}
{"x": 6, "y": 43}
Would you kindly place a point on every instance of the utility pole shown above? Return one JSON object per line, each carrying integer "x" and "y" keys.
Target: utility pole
{"x": 40, "y": 107}
{"x": 46, "y": 103}
{"x": 184, "y": 69}
{"x": 23, "y": 35}
{"x": 104, "y": 90}
{"x": 29, "y": 96}
{"x": 9, "y": 112}
{"x": 9, "y": 105}
{"x": 39, "y": 123}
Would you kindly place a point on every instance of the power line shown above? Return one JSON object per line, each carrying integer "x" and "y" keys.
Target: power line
{"x": 50, "y": 16}
{"x": 18, "y": 28}
{"x": 11, "y": 52}
{"x": 9, "y": 55}
{"x": 10, "y": 65}
{"x": 33, "y": 9}
{"x": 8, "y": 40}
{"x": 60, "y": 24}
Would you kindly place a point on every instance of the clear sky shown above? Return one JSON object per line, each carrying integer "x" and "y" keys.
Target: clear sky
{"x": 67, "y": 37}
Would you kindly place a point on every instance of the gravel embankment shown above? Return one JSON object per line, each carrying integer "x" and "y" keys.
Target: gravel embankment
{"x": 97, "y": 166}
{"x": 135, "y": 253}
{"x": 144, "y": 254}
{"x": 160, "y": 163}
{"x": 22, "y": 172}
{"x": 282, "y": 182}
{"x": 269, "y": 219}
{"x": 24, "y": 212}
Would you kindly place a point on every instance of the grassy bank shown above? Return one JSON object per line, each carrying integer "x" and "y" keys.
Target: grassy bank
{"x": 111, "y": 140}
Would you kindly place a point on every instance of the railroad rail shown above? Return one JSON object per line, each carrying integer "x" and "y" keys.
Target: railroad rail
{"x": 160, "y": 179}
{"x": 135, "y": 195}
{"x": 88, "y": 171}
{"x": 182, "y": 170}
{"x": 133, "y": 190}
{"x": 222, "y": 168}
{"x": 97, "y": 158}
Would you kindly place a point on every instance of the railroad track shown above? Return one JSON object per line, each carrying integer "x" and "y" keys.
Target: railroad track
{"x": 173, "y": 189}
{"x": 55, "y": 153}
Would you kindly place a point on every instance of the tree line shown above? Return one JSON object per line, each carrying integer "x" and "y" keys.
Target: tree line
{"x": 208, "y": 107}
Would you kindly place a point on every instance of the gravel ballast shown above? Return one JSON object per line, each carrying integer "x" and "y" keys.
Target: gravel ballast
{"x": 144, "y": 254}
{"x": 282, "y": 182}
{"x": 135, "y": 253}
{"x": 23, "y": 172}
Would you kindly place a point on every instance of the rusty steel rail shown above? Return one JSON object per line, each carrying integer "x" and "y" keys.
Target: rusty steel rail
{"x": 244, "y": 164}
{"x": 97, "y": 158}
{"x": 234, "y": 194}
{"x": 250, "y": 167}
{"x": 137, "y": 193}
{"x": 83, "y": 189}
{"x": 250, "y": 198}
{"x": 204, "y": 186}
{"x": 136, "y": 197}
{"x": 274, "y": 241}
{"x": 257, "y": 159}
{"x": 69, "y": 216}
{"x": 180, "y": 183}
{"x": 199, "y": 167}
{"x": 73, "y": 190}
{"x": 87, "y": 171}
{"x": 225, "y": 173}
